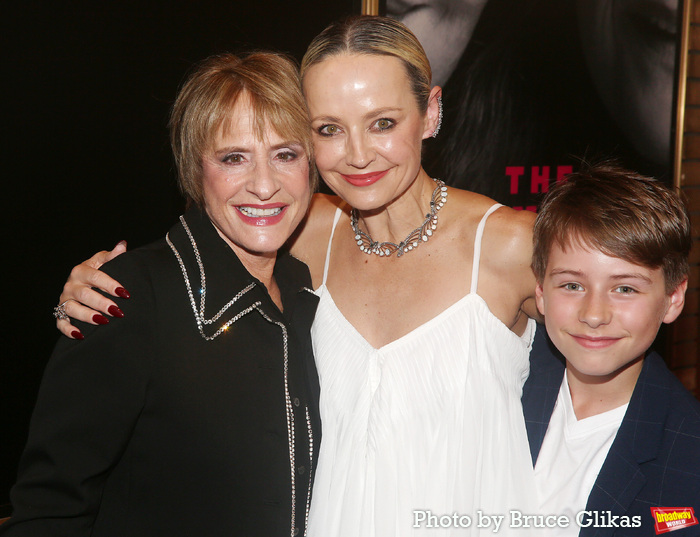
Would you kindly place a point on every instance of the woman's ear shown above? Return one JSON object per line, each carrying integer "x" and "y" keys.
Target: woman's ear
{"x": 433, "y": 115}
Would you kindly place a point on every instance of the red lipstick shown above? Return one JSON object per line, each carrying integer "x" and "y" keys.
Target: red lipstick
{"x": 364, "y": 179}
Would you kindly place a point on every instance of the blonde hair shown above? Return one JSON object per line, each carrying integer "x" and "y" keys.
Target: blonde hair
{"x": 209, "y": 95}
{"x": 374, "y": 36}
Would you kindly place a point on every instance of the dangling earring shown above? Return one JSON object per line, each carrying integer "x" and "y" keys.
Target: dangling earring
{"x": 437, "y": 129}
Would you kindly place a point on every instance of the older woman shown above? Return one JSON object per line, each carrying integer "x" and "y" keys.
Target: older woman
{"x": 422, "y": 334}
{"x": 196, "y": 416}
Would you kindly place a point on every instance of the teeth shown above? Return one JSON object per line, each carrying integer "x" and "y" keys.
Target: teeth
{"x": 255, "y": 212}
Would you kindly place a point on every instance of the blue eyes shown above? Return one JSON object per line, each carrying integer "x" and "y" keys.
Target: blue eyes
{"x": 625, "y": 290}
{"x": 572, "y": 287}
{"x": 622, "y": 289}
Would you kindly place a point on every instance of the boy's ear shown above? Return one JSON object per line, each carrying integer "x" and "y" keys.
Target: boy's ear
{"x": 675, "y": 307}
{"x": 539, "y": 298}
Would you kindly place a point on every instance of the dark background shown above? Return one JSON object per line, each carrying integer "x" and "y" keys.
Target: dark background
{"x": 88, "y": 86}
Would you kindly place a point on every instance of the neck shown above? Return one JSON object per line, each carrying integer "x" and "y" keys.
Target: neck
{"x": 592, "y": 395}
{"x": 260, "y": 265}
{"x": 396, "y": 219}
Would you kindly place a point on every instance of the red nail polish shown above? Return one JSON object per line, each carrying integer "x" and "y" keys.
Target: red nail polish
{"x": 77, "y": 335}
{"x": 120, "y": 291}
{"x": 115, "y": 311}
{"x": 100, "y": 319}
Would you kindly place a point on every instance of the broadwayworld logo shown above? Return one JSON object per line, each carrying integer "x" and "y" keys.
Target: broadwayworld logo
{"x": 672, "y": 518}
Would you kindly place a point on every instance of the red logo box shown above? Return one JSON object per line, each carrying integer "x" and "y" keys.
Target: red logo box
{"x": 672, "y": 518}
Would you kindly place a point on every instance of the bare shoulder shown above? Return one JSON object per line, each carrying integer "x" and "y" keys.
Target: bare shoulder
{"x": 466, "y": 209}
{"x": 507, "y": 253}
{"x": 310, "y": 240}
{"x": 510, "y": 231}
{"x": 505, "y": 223}
{"x": 506, "y": 280}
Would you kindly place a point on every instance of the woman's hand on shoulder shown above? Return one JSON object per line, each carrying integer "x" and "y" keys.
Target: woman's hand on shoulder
{"x": 80, "y": 301}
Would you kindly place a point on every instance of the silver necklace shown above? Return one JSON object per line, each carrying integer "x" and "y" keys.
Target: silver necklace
{"x": 421, "y": 234}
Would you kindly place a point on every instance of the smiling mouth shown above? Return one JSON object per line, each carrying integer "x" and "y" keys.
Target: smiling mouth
{"x": 255, "y": 212}
{"x": 590, "y": 342}
{"x": 364, "y": 179}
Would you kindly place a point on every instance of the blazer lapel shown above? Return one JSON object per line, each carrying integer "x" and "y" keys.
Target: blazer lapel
{"x": 541, "y": 389}
{"x": 638, "y": 441}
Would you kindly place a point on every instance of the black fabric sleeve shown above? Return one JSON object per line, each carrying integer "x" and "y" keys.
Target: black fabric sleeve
{"x": 89, "y": 402}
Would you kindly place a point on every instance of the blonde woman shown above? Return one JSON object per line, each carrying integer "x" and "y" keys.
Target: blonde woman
{"x": 423, "y": 329}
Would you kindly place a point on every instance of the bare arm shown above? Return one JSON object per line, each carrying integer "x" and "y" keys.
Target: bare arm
{"x": 521, "y": 251}
{"x": 509, "y": 283}
{"x": 82, "y": 302}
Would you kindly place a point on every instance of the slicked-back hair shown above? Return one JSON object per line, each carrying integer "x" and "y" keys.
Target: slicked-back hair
{"x": 206, "y": 100}
{"x": 373, "y": 35}
{"x": 617, "y": 212}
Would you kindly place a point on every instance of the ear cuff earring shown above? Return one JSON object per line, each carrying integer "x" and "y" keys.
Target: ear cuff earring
{"x": 437, "y": 129}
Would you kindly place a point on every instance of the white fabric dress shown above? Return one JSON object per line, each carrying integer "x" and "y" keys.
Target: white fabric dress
{"x": 431, "y": 422}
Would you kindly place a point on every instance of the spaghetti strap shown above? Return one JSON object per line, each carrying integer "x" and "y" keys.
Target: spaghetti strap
{"x": 477, "y": 247}
{"x": 338, "y": 212}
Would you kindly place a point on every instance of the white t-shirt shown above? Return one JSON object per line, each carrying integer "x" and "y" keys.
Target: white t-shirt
{"x": 572, "y": 454}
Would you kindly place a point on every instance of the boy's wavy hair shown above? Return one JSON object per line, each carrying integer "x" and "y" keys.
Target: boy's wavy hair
{"x": 620, "y": 213}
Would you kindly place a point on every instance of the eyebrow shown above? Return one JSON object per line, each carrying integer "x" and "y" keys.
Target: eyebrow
{"x": 381, "y": 111}
{"x": 565, "y": 272}
{"x": 615, "y": 277}
{"x": 632, "y": 276}
{"x": 367, "y": 116}
{"x": 241, "y": 149}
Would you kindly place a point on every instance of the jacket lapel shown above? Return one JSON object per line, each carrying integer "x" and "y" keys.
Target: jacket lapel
{"x": 541, "y": 389}
{"x": 638, "y": 441}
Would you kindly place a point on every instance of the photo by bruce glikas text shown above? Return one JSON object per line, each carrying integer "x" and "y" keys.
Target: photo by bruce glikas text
{"x": 516, "y": 519}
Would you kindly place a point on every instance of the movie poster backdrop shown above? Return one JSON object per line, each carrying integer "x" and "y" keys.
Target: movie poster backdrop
{"x": 532, "y": 88}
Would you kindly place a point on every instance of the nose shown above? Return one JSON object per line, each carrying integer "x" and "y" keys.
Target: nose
{"x": 264, "y": 182}
{"x": 359, "y": 152}
{"x": 595, "y": 310}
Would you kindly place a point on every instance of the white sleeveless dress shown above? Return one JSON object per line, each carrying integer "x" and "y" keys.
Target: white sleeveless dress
{"x": 429, "y": 424}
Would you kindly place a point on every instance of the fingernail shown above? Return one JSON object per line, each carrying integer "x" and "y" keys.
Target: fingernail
{"x": 123, "y": 243}
{"x": 77, "y": 335}
{"x": 114, "y": 311}
{"x": 100, "y": 319}
{"x": 122, "y": 292}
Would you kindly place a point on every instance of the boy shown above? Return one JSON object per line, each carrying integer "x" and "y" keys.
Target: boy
{"x": 613, "y": 433}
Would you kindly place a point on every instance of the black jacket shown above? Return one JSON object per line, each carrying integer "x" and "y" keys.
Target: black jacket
{"x": 146, "y": 428}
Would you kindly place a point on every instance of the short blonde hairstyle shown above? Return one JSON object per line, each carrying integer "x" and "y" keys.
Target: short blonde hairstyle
{"x": 375, "y": 36}
{"x": 208, "y": 96}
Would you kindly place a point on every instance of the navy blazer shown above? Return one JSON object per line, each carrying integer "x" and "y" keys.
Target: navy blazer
{"x": 654, "y": 460}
